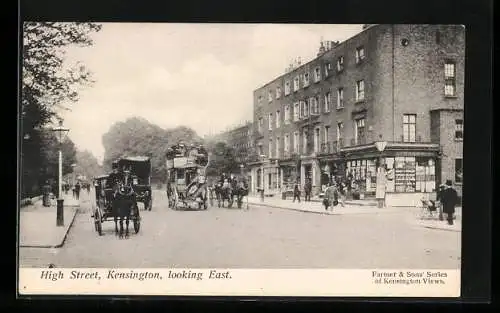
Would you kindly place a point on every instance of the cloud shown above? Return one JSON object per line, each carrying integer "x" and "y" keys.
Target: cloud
{"x": 198, "y": 75}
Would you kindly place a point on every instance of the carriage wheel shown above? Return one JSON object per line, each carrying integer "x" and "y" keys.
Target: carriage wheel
{"x": 98, "y": 222}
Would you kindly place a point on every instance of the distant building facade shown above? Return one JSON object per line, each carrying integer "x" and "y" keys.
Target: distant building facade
{"x": 398, "y": 84}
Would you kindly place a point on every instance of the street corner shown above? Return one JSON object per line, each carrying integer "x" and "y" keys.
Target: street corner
{"x": 39, "y": 230}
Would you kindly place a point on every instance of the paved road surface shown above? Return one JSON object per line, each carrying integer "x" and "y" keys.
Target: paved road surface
{"x": 258, "y": 238}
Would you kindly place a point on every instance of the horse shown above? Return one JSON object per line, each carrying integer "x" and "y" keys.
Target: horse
{"x": 224, "y": 193}
{"x": 124, "y": 203}
{"x": 239, "y": 190}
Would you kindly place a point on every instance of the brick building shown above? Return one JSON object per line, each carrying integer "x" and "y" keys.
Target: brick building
{"x": 397, "y": 84}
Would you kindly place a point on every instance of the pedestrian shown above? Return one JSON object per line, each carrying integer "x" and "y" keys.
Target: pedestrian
{"x": 296, "y": 192}
{"x": 449, "y": 199}
{"x": 77, "y": 190}
{"x": 307, "y": 190}
{"x": 341, "y": 187}
{"x": 331, "y": 196}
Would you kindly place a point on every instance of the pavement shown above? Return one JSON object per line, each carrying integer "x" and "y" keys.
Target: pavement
{"x": 351, "y": 207}
{"x": 37, "y": 224}
{"x": 260, "y": 237}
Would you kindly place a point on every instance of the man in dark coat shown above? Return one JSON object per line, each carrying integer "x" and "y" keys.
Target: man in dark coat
{"x": 449, "y": 198}
{"x": 296, "y": 191}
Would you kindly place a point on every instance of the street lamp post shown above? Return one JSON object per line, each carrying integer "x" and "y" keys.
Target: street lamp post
{"x": 61, "y": 133}
{"x": 381, "y": 179}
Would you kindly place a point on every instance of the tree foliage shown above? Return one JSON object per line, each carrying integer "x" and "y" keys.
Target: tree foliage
{"x": 48, "y": 82}
{"x": 222, "y": 160}
{"x": 138, "y": 137}
{"x": 87, "y": 164}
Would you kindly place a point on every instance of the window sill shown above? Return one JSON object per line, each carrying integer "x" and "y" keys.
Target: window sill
{"x": 340, "y": 108}
{"x": 360, "y": 101}
{"x": 459, "y": 140}
{"x": 327, "y": 112}
{"x": 450, "y": 97}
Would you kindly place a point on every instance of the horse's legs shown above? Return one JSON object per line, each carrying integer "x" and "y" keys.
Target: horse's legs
{"x": 116, "y": 223}
{"x": 126, "y": 223}
{"x": 121, "y": 226}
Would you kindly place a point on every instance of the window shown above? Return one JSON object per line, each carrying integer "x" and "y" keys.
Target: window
{"x": 277, "y": 147}
{"x": 270, "y": 96}
{"x": 340, "y": 64}
{"x": 261, "y": 149}
{"x": 360, "y": 54}
{"x": 328, "y": 69}
{"x": 314, "y": 105}
{"x": 359, "y": 131}
{"x": 340, "y": 131}
{"x": 278, "y": 119}
{"x": 287, "y": 88}
{"x": 459, "y": 129}
{"x": 278, "y": 92}
{"x": 317, "y": 74}
{"x": 304, "y": 109}
{"x": 360, "y": 90}
{"x": 270, "y": 121}
{"x": 304, "y": 141}
{"x": 449, "y": 79}
{"x": 326, "y": 131}
{"x": 260, "y": 126}
{"x": 404, "y": 174}
{"x": 270, "y": 148}
{"x": 340, "y": 98}
{"x": 296, "y": 83}
{"x": 409, "y": 127}
{"x": 316, "y": 140}
{"x": 296, "y": 142}
{"x": 287, "y": 114}
{"x": 328, "y": 101}
{"x": 296, "y": 111}
{"x": 259, "y": 100}
{"x": 459, "y": 176}
{"x": 306, "y": 79}
{"x": 286, "y": 145}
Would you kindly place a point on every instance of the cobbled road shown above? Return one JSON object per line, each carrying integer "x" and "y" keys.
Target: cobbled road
{"x": 258, "y": 238}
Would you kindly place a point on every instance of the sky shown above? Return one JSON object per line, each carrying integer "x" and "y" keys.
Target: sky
{"x": 198, "y": 75}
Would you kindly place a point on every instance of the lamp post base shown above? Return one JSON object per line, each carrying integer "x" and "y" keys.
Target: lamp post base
{"x": 60, "y": 212}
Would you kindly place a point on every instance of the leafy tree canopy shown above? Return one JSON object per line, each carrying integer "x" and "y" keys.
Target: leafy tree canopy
{"x": 138, "y": 137}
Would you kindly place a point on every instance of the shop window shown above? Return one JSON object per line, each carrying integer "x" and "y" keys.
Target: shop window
{"x": 403, "y": 169}
{"x": 459, "y": 176}
{"x": 425, "y": 175}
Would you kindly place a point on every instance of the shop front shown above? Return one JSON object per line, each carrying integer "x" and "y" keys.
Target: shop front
{"x": 410, "y": 171}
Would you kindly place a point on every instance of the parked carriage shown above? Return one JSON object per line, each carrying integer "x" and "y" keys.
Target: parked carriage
{"x": 140, "y": 170}
{"x": 186, "y": 181}
{"x": 103, "y": 210}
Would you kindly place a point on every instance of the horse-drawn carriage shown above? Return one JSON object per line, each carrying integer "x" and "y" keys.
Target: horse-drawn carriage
{"x": 186, "y": 180}
{"x": 115, "y": 201}
{"x": 227, "y": 188}
{"x": 140, "y": 173}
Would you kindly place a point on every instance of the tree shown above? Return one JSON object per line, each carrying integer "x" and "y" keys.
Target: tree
{"x": 222, "y": 160}
{"x": 138, "y": 137}
{"x": 87, "y": 164}
{"x": 47, "y": 82}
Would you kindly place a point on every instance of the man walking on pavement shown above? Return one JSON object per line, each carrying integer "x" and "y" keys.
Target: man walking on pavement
{"x": 307, "y": 190}
{"x": 77, "y": 190}
{"x": 449, "y": 199}
{"x": 296, "y": 192}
